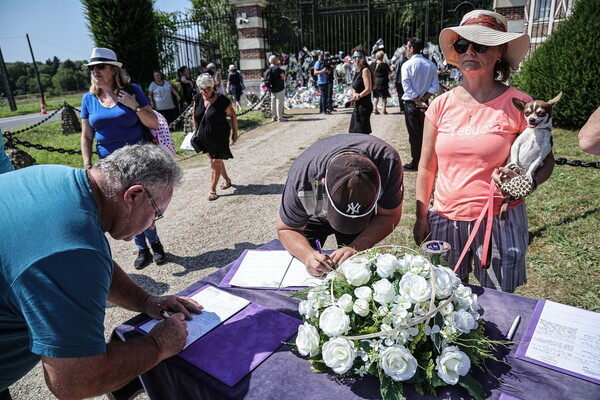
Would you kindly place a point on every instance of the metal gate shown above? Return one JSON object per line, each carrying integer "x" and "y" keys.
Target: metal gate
{"x": 341, "y": 25}
{"x": 187, "y": 40}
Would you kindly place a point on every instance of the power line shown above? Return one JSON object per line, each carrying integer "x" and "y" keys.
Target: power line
{"x": 54, "y": 45}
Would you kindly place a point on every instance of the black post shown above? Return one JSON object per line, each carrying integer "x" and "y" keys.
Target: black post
{"x": 11, "y": 98}
{"x": 37, "y": 75}
{"x": 427, "y": 24}
{"x": 368, "y": 23}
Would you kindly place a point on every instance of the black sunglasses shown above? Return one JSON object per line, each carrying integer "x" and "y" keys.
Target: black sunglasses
{"x": 462, "y": 45}
{"x": 98, "y": 66}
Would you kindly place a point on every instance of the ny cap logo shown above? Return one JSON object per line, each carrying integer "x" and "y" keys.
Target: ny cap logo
{"x": 353, "y": 208}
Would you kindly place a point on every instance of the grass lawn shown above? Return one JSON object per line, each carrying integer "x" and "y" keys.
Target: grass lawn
{"x": 563, "y": 260}
{"x": 33, "y": 106}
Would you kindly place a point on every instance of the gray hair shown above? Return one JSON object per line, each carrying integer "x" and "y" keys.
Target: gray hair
{"x": 147, "y": 164}
{"x": 272, "y": 58}
{"x": 205, "y": 80}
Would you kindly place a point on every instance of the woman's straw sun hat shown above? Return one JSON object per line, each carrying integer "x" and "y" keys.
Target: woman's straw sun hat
{"x": 488, "y": 28}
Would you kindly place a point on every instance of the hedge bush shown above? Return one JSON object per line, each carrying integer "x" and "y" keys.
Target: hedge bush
{"x": 568, "y": 61}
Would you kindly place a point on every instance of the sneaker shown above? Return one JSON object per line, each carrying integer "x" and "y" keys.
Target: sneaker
{"x": 143, "y": 259}
{"x": 274, "y": 119}
{"x": 282, "y": 119}
{"x": 327, "y": 112}
{"x": 159, "y": 253}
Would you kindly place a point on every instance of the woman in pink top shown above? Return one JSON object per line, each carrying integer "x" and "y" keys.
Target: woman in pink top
{"x": 466, "y": 141}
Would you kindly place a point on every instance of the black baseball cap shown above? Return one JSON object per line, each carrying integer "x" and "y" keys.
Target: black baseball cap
{"x": 353, "y": 186}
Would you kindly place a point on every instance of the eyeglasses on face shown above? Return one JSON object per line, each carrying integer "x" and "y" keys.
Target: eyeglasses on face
{"x": 207, "y": 89}
{"x": 157, "y": 213}
{"x": 358, "y": 57}
{"x": 97, "y": 66}
{"x": 462, "y": 45}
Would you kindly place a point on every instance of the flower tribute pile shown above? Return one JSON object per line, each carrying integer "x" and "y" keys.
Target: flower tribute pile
{"x": 397, "y": 317}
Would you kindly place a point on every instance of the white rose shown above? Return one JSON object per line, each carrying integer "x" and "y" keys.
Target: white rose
{"x": 387, "y": 265}
{"x": 452, "y": 364}
{"x": 462, "y": 320}
{"x": 445, "y": 282}
{"x": 363, "y": 292}
{"x": 415, "y": 288}
{"x": 384, "y": 292}
{"x": 308, "y": 340}
{"x": 398, "y": 363}
{"x": 339, "y": 354}
{"x": 345, "y": 302}
{"x": 334, "y": 321}
{"x": 416, "y": 264}
{"x": 361, "y": 307}
{"x": 356, "y": 270}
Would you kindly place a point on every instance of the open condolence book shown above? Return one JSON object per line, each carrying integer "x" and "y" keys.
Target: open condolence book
{"x": 232, "y": 335}
{"x": 269, "y": 269}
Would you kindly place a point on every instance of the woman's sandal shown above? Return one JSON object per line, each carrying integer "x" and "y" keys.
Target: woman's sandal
{"x": 385, "y": 112}
{"x": 376, "y": 112}
{"x": 225, "y": 185}
{"x": 213, "y": 196}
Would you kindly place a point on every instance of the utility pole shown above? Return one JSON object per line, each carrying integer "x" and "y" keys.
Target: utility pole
{"x": 37, "y": 75}
{"x": 9, "y": 95}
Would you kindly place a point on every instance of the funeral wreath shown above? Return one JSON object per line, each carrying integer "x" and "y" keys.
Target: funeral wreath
{"x": 396, "y": 316}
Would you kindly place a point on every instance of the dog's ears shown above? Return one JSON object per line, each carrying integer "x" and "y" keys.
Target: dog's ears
{"x": 555, "y": 100}
{"x": 520, "y": 104}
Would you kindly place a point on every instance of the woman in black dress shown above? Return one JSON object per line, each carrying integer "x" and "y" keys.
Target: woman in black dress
{"x": 381, "y": 75}
{"x": 361, "y": 93}
{"x": 211, "y": 110}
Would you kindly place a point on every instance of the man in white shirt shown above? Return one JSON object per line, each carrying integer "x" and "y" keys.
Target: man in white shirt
{"x": 419, "y": 81}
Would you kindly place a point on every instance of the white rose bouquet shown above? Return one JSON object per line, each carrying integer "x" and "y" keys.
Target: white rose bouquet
{"x": 396, "y": 316}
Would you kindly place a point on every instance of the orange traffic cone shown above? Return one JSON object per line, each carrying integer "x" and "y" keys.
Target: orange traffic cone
{"x": 43, "y": 107}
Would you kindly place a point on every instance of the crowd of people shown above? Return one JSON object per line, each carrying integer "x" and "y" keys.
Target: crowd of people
{"x": 348, "y": 185}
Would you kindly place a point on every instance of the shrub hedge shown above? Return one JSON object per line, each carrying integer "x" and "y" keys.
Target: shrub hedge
{"x": 568, "y": 61}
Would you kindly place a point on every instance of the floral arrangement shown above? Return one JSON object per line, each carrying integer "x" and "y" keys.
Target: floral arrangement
{"x": 251, "y": 98}
{"x": 398, "y": 317}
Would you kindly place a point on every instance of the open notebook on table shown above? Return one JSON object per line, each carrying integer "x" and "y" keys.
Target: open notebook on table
{"x": 232, "y": 335}
{"x": 269, "y": 269}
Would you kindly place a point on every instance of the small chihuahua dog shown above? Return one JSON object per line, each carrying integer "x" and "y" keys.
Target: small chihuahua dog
{"x": 535, "y": 142}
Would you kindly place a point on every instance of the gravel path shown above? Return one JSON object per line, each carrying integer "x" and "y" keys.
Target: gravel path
{"x": 202, "y": 236}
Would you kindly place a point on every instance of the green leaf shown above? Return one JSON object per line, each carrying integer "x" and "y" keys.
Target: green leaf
{"x": 389, "y": 389}
{"x": 473, "y": 386}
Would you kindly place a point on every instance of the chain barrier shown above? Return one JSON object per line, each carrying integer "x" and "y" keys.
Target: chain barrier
{"x": 37, "y": 123}
{"x": 577, "y": 163}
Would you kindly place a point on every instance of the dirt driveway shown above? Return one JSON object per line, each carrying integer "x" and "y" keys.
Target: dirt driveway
{"x": 202, "y": 236}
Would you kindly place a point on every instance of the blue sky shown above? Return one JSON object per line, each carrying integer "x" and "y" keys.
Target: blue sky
{"x": 55, "y": 28}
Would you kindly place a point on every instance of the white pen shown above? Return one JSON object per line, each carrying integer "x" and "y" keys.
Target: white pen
{"x": 513, "y": 328}
{"x": 164, "y": 314}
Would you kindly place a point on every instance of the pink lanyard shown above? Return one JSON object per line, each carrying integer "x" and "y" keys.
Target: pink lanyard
{"x": 489, "y": 208}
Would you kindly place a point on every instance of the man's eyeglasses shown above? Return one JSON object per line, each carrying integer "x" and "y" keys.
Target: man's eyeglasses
{"x": 358, "y": 57}
{"x": 97, "y": 66}
{"x": 462, "y": 45}
{"x": 206, "y": 89}
{"x": 157, "y": 213}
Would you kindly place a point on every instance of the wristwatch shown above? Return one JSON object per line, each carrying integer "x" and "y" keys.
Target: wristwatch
{"x": 138, "y": 109}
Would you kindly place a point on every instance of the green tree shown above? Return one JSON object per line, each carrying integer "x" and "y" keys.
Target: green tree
{"x": 70, "y": 77}
{"x": 216, "y": 18}
{"x": 567, "y": 61}
{"x": 128, "y": 27}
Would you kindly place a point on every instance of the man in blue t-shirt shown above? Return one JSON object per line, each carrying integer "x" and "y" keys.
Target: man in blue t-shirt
{"x": 57, "y": 273}
{"x": 5, "y": 164}
{"x": 322, "y": 74}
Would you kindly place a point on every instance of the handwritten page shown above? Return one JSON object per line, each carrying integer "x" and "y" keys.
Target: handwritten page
{"x": 567, "y": 339}
{"x": 218, "y": 307}
{"x": 268, "y": 269}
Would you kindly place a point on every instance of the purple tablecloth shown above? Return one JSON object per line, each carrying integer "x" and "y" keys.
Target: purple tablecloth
{"x": 285, "y": 374}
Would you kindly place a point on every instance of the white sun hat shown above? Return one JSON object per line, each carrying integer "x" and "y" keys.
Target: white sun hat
{"x": 487, "y": 28}
{"x": 101, "y": 55}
